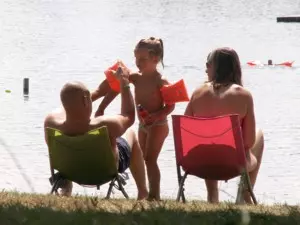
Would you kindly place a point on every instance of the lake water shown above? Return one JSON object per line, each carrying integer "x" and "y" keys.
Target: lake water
{"x": 54, "y": 41}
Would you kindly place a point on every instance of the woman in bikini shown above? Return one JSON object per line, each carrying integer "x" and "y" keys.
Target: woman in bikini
{"x": 223, "y": 94}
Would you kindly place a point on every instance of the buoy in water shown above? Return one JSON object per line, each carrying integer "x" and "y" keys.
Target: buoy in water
{"x": 26, "y": 86}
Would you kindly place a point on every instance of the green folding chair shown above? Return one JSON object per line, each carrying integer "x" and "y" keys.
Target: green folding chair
{"x": 85, "y": 159}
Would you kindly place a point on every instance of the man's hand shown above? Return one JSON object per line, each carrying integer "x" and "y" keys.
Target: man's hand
{"x": 123, "y": 76}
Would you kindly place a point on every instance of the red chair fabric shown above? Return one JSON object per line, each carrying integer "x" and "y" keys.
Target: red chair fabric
{"x": 209, "y": 148}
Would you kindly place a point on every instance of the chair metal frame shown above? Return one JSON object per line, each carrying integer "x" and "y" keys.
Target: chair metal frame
{"x": 117, "y": 182}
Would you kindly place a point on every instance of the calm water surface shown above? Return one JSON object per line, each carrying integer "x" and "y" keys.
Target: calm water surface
{"x": 55, "y": 41}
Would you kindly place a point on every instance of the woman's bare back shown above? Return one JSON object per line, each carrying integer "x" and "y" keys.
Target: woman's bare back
{"x": 209, "y": 102}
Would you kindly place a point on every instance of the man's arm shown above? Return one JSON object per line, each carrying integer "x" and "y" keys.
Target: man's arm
{"x": 47, "y": 123}
{"x": 117, "y": 125}
{"x": 52, "y": 118}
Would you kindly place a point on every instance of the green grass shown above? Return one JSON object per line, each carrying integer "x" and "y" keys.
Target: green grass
{"x": 16, "y": 208}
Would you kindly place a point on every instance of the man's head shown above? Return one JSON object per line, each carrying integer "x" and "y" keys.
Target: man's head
{"x": 76, "y": 100}
{"x": 270, "y": 62}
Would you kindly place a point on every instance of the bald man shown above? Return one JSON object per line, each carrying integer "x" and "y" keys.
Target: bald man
{"x": 76, "y": 120}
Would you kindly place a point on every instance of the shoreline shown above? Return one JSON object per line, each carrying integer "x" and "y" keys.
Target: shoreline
{"x": 24, "y": 208}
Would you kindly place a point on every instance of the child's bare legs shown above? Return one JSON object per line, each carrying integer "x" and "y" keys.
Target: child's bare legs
{"x": 255, "y": 158}
{"x": 142, "y": 138}
{"x": 212, "y": 191}
{"x": 151, "y": 143}
{"x": 137, "y": 166}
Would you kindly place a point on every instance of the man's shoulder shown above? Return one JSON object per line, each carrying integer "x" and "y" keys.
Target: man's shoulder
{"x": 98, "y": 121}
{"x": 51, "y": 120}
{"x": 111, "y": 122}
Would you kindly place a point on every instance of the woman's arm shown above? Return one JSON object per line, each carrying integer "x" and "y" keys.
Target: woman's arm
{"x": 189, "y": 108}
{"x": 249, "y": 127}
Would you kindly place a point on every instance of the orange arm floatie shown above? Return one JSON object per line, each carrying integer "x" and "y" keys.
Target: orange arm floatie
{"x": 174, "y": 93}
{"x": 112, "y": 80}
{"x": 254, "y": 63}
{"x": 289, "y": 64}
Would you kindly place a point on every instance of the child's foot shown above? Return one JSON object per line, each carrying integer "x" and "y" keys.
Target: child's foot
{"x": 142, "y": 195}
{"x": 153, "y": 198}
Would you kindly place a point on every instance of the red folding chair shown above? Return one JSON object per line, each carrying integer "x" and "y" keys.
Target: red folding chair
{"x": 210, "y": 148}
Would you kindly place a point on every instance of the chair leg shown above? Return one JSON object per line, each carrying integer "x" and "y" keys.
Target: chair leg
{"x": 183, "y": 196}
{"x": 111, "y": 185}
{"x": 245, "y": 184}
{"x": 55, "y": 186}
{"x": 179, "y": 177}
{"x": 178, "y": 173}
{"x": 181, "y": 188}
{"x": 121, "y": 187}
{"x": 239, "y": 196}
{"x": 250, "y": 189}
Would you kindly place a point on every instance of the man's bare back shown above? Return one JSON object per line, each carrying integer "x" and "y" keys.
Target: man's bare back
{"x": 57, "y": 120}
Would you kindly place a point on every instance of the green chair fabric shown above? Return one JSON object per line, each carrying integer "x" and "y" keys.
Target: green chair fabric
{"x": 85, "y": 159}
